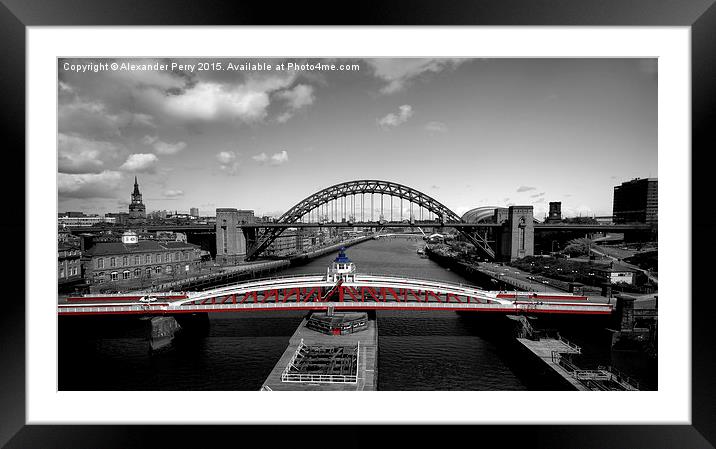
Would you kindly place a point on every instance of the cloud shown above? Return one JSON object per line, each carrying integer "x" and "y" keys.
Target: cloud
{"x": 161, "y": 147}
{"x": 399, "y": 73}
{"x": 80, "y": 155}
{"x": 228, "y": 162}
{"x": 173, "y": 193}
{"x": 64, "y": 87}
{"x": 90, "y": 185}
{"x": 140, "y": 163}
{"x": 526, "y": 188}
{"x": 436, "y": 128}
{"x": 279, "y": 158}
{"x": 296, "y": 98}
{"x": 213, "y": 101}
{"x": 88, "y": 118}
{"x": 275, "y": 159}
{"x": 93, "y": 119}
{"x": 107, "y": 103}
{"x": 245, "y": 102}
{"x": 537, "y": 195}
{"x": 393, "y": 120}
{"x": 262, "y": 157}
{"x": 149, "y": 140}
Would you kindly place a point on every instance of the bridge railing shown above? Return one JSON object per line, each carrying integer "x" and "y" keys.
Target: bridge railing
{"x": 288, "y": 376}
{"x": 383, "y": 275}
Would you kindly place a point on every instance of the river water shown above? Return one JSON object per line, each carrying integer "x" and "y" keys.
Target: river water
{"x": 418, "y": 350}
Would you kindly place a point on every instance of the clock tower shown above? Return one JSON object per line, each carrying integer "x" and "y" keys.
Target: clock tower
{"x": 137, "y": 211}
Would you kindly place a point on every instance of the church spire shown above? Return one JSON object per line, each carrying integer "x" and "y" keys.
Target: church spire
{"x": 136, "y": 207}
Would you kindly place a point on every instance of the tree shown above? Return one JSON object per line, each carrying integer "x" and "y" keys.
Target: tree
{"x": 578, "y": 247}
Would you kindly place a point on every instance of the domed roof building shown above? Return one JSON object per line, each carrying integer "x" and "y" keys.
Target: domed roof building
{"x": 482, "y": 214}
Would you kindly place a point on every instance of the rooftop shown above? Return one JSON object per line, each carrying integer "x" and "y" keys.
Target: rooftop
{"x": 143, "y": 246}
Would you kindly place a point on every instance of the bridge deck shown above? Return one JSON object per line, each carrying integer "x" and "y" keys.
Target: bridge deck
{"x": 367, "y": 360}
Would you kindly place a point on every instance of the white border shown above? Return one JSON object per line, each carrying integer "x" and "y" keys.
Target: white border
{"x": 671, "y": 404}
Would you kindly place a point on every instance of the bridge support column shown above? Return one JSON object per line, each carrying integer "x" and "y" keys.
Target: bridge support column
{"x": 162, "y": 331}
{"x": 625, "y": 312}
{"x": 230, "y": 239}
{"x": 516, "y": 239}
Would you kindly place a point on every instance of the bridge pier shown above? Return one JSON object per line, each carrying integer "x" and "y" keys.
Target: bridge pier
{"x": 230, "y": 238}
{"x": 365, "y": 378}
{"x": 162, "y": 331}
{"x": 627, "y": 336}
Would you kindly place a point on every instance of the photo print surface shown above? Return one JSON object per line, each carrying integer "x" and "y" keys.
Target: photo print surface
{"x": 357, "y": 224}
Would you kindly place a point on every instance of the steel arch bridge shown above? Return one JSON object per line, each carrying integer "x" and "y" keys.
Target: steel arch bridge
{"x": 444, "y": 215}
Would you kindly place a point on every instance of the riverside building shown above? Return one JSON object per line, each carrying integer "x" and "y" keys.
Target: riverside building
{"x": 134, "y": 263}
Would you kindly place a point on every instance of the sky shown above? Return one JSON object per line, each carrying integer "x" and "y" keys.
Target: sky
{"x": 467, "y": 132}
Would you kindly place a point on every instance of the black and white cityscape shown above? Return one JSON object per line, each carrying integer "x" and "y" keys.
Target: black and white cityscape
{"x": 357, "y": 224}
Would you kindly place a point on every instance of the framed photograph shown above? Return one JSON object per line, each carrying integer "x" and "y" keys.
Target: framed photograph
{"x": 459, "y": 222}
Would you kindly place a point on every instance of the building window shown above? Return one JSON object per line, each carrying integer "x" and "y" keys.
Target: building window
{"x": 158, "y": 269}
{"x": 112, "y": 262}
{"x": 148, "y": 272}
{"x": 166, "y": 257}
{"x": 148, "y": 259}
{"x": 137, "y": 260}
{"x": 114, "y": 276}
{"x": 168, "y": 269}
{"x": 125, "y": 274}
{"x": 62, "y": 273}
{"x": 186, "y": 255}
{"x": 158, "y": 258}
{"x": 186, "y": 267}
{"x": 137, "y": 272}
{"x": 125, "y": 261}
{"x": 100, "y": 263}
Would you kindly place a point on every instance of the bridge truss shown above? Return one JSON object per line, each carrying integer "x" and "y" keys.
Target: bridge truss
{"x": 339, "y": 201}
{"x": 316, "y": 292}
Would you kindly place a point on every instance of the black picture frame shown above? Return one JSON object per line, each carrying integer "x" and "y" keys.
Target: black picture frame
{"x": 700, "y": 15}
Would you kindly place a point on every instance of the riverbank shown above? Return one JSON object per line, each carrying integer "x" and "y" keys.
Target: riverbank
{"x": 481, "y": 275}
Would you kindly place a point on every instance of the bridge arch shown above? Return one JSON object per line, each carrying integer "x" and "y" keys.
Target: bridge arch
{"x": 444, "y": 215}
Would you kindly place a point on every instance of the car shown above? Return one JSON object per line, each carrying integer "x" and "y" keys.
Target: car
{"x": 147, "y": 298}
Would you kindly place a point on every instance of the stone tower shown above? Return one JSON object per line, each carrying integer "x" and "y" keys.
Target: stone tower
{"x": 517, "y": 236}
{"x": 230, "y": 240}
{"x": 555, "y": 212}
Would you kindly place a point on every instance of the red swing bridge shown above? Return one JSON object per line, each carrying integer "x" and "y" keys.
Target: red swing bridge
{"x": 340, "y": 288}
